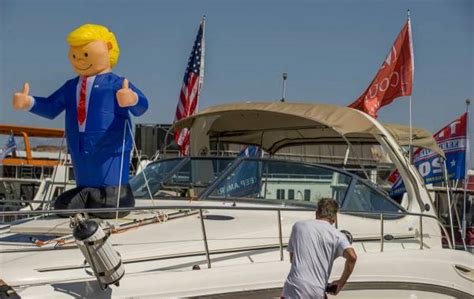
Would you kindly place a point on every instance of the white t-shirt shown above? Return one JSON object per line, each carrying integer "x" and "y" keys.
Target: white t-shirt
{"x": 315, "y": 245}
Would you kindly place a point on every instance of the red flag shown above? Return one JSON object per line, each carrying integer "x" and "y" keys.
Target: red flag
{"x": 189, "y": 94}
{"x": 395, "y": 77}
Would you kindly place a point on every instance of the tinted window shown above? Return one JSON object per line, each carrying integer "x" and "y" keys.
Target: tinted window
{"x": 193, "y": 172}
{"x": 366, "y": 199}
{"x": 274, "y": 179}
{"x": 154, "y": 172}
{"x": 198, "y": 172}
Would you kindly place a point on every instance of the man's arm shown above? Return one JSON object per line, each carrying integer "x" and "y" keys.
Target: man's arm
{"x": 351, "y": 258}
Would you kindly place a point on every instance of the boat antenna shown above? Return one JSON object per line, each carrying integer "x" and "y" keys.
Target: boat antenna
{"x": 285, "y": 76}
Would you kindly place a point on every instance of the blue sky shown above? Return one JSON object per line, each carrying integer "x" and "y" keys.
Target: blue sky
{"x": 331, "y": 50}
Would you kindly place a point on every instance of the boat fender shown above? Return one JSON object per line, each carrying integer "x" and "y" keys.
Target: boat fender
{"x": 98, "y": 252}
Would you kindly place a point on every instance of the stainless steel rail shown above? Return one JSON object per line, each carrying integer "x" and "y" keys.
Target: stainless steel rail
{"x": 381, "y": 232}
{"x": 421, "y": 233}
{"x": 204, "y": 238}
{"x": 278, "y": 209}
{"x": 280, "y": 235}
{"x": 156, "y": 207}
{"x": 382, "y": 219}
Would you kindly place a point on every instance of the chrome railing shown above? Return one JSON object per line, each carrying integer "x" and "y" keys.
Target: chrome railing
{"x": 201, "y": 208}
{"x": 382, "y": 219}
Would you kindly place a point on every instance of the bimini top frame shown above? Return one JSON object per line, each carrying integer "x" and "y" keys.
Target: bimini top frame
{"x": 275, "y": 125}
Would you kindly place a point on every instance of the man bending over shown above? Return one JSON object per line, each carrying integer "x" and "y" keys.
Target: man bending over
{"x": 313, "y": 247}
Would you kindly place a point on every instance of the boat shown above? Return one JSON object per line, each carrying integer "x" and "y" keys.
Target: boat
{"x": 33, "y": 176}
{"x": 457, "y": 193}
{"x": 216, "y": 227}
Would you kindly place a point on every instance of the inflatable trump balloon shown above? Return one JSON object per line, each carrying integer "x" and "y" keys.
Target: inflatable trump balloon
{"x": 98, "y": 104}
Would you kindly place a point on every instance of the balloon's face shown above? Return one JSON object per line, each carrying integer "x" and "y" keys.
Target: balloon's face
{"x": 90, "y": 59}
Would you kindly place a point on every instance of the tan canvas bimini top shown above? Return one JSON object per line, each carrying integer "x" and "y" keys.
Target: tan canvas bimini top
{"x": 274, "y": 125}
{"x": 421, "y": 138}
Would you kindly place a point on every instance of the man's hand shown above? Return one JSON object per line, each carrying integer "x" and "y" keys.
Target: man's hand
{"x": 21, "y": 100}
{"x": 339, "y": 284}
{"x": 351, "y": 257}
{"x": 125, "y": 96}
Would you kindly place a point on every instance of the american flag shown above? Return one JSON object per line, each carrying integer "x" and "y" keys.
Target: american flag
{"x": 189, "y": 95}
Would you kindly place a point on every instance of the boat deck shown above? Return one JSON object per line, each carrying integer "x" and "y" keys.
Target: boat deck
{"x": 243, "y": 246}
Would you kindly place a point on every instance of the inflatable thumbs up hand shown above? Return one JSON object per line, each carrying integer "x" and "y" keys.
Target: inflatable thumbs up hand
{"x": 21, "y": 100}
{"x": 125, "y": 96}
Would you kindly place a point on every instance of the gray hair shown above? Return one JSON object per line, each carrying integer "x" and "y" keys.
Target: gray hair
{"x": 327, "y": 208}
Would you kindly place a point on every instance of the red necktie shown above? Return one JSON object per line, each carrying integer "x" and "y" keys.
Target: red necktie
{"x": 81, "y": 108}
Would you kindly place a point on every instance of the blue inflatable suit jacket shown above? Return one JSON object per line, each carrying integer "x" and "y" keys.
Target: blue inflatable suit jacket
{"x": 96, "y": 153}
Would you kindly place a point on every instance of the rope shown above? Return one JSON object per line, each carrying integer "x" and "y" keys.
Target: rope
{"x": 121, "y": 170}
{"x": 160, "y": 213}
{"x": 144, "y": 175}
{"x": 58, "y": 243}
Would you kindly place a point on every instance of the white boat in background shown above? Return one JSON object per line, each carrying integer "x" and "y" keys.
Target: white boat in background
{"x": 226, "y": 239}
{"x": 36, "y": 174}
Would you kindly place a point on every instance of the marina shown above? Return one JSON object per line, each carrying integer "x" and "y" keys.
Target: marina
{"x": 287, "y": 162}
{"x": 220, "y": 230}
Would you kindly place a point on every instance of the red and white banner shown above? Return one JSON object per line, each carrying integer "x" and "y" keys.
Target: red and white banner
{"x": 395, "y": 76}
{"x": 452, "y": 139}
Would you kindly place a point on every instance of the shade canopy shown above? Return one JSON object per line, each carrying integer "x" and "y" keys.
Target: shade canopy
{"x": 421, "y": 138}
{"x": 275, "y": 125}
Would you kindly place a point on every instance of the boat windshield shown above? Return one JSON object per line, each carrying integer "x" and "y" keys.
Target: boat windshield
{"x": 281, "y": 180}
{"x": 178, "y": 174}
{"x": 298, "y": 183}
{"x": 154, "y": 173}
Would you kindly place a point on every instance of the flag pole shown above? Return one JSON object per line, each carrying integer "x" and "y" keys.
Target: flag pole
{"x": 448, "y": 194}
{"x": 201, "y": 69}
{"x": 203, "y": 52}
{"x": 411, "y": 132}
{"x": 466, "y": 166}
{"x": 410, "y": 152}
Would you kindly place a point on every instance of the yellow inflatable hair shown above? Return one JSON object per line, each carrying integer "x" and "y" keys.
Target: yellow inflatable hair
{"x": 90, "y": 32}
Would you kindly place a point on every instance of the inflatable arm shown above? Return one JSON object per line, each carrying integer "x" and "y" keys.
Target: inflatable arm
{"x": 142, "y": 104}
{"x": 51, "y": 106}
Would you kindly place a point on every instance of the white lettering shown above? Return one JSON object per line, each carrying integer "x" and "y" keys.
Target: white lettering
{"x": 453, "y": 126}
{"x": 397, "y": 79}
{"x": 436, "y": 164}
{"x": 424, "y": 168}
{"x": 376, "y": 85}
{"x": 384, "y": 84}
{"x": 391, "y": 57}
{"x": 390, "y": 81}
